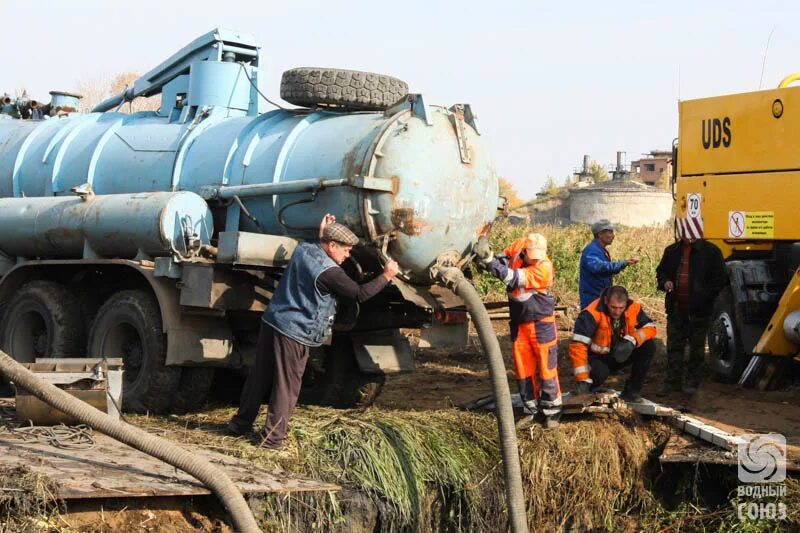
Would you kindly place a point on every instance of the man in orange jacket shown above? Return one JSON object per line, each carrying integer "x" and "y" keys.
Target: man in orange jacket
{"x": 610, "y": 333}
{"x": 528, "y": 275}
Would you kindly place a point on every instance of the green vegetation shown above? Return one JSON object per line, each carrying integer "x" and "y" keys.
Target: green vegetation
{"x": 441, "y": 471}
{"x": 564, "y": 248}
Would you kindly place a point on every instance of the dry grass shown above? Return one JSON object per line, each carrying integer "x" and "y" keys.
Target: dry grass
{"x": 587, "y": 474}
{"x": 441, "y": 470}
{"x": 27, "y": 502}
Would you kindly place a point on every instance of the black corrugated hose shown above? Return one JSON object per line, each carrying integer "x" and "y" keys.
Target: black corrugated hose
{"x": 213, "y": 478}
{"x": 454, "y": 279}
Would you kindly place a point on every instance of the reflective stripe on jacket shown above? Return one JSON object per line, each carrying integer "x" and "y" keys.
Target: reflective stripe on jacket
{"x": 528, "y": 287}
{"x": 594, "y": 333}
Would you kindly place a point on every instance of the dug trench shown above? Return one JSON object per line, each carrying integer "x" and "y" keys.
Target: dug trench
{"x": 416, "y": 461}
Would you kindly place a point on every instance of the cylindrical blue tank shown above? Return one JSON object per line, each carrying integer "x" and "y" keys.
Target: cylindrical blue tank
{"x": 119, "y": 225}
{"x": 422, "y": 184}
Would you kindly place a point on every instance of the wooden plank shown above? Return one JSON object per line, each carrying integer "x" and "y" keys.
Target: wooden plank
{"x": 683, "y": 449}
{"x": 112, "y": 469}
{"x": 595, "y": 402}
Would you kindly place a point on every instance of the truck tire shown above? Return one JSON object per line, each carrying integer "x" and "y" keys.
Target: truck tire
{"x": 351, "y": 89}
{"x": 193, "y": 389}
{"x": 334, "y": 379}
{"x": 43, "y": 319}
{"x": 128, "y": 325}
{"x": 727, "y": 359}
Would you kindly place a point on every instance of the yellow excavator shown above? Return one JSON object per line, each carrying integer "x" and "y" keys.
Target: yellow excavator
{"x": 736, "y": 181}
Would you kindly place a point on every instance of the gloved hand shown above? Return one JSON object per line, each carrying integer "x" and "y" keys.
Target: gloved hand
{"x": 623, "y": 349}
{"x": 482, "y": 250}
{"x": 583, "y": 387}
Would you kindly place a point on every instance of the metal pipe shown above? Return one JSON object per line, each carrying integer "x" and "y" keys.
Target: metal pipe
{"x": 791, "y": 78}
{"x": 453, "y": 278}
{"x": 114, "y": 101}
{"x": 238, "y": 50}
{"x": 269, "y": 189}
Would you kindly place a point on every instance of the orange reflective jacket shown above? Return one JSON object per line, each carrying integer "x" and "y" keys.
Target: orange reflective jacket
{"x": 527, "y": 280}
{"x": 594, "y": 333}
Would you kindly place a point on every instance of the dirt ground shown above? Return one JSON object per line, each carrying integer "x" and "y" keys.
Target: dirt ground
{"x": 450, "y": 377}
{"x": 164, "y": 515}
{"x": 454, "y": 377}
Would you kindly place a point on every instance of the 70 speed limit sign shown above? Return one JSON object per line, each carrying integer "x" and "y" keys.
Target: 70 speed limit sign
{"x": 693, "y": 205}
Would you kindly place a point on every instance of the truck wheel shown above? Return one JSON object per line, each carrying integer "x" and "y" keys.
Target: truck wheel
{"x": 333, "y": 378}
{"x": 352, "y": 89}
{"x": 727, "y": 360}
{"x": 193, "y": 390}
{"x": 43, "y": 319}
{"x": 128, "y": 325}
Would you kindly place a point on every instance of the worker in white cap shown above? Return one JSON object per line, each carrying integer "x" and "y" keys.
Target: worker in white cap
{"x": 529, "y": 275}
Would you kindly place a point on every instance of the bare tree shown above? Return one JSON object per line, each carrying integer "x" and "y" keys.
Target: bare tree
{"x": 95, "y": 90}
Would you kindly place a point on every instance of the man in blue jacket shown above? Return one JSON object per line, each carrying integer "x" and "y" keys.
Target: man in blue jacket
{"x": 300, "y": 316}
{"x": 597, "y": 269}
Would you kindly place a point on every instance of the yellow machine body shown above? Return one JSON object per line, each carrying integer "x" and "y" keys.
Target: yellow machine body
{"x": 738, "y": 171}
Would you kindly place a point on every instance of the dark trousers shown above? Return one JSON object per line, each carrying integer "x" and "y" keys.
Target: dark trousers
{"x": 683, "y": 329}
{"x": 639, "y": 360}
{"x": 279, "y": 366}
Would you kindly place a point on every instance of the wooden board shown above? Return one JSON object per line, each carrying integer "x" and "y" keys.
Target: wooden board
{"x": 115, "y": 470}
{"x": 595, "y": 402}
{"x": 687, "y": 449}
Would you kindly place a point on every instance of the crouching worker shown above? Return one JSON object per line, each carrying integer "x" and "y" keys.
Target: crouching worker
{"x": 299, "y": 316}
{"x": 528, "y": 275}
{"x": 610, "y": 333}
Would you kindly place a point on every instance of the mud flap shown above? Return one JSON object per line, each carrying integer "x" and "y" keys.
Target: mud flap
{"x": 439, "y": 335}
{"x": 382, "y": 352}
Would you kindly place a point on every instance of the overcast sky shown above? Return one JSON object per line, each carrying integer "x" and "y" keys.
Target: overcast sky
{"x": 549, "y": 83}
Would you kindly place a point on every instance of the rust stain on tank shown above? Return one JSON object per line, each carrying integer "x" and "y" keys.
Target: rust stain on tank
{"x": 405, "y": 220}
{"x": 349, "y": 165}
{"x": 485, "y": 229}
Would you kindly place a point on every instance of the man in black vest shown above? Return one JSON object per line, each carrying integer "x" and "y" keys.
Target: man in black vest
{"x": 298, "y": 317}
{"x": 691, "y": 273}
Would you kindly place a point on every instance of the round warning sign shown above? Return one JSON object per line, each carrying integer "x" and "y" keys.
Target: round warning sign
{"x": 693, "y": 205}
{"x": 736, "y": 224}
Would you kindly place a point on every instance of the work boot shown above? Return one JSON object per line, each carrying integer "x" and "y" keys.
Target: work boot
{"x": 262, "y": 440}
{"x": 551, "y": 422}
{"x": 527, "y": 421}
{"x": 237, "y": 430}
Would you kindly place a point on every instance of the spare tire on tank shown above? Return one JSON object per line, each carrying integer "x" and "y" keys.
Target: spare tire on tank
{"x": 351, "y": 89}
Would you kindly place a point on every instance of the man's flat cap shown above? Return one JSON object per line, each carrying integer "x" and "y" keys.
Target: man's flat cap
{"x": 339, "y": 233}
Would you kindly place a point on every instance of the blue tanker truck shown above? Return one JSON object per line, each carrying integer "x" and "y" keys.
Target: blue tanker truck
{"x": 159, "y": 236}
